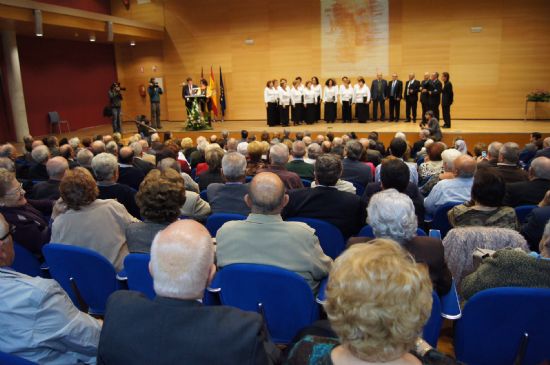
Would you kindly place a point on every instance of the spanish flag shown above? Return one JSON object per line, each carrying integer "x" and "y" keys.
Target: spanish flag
{"x": 212, "y": 87}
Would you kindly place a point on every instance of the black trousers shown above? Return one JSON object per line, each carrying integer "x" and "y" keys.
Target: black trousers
{"x": 395, "y": 109}
{"x": 297, "y": 113}
{"x": 410, "y": 106}
{"x": 318, "y": 109}
{"x": 330, "y": 112}
{"x": 272, "y": 114}
{"x": 311, "y": 113}
{"x": 283, "y": 114}
{"x": 362, "y": 112}
{"x": 425, "y": 108}
{"x": 382, "y": 104}
{"x": 346, "y": 111}
{"x": 434, "y": 106}
{"x": 446, "y": 109}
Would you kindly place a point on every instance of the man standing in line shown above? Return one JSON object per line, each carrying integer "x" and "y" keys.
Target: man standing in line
{"x": 435, "y": 93}
{"x": 154, "y": 91}
{"x": 424, "y": 96}
{"x": 379, "y": 95}
{"x": 396, "y": 93}
{"x": 412, "y": 87}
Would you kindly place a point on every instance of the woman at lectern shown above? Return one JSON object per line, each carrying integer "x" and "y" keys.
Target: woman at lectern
{"x": 330, "y": 94}
{"x": 362, "y": 100}
{"x": 316, "y": 87}
{"x": 297, "y": 102}
{"x": 270, "y": 98}
{"x": 346, "y": 99}
{"x": 284, "y": 102}
{"x": 309, "y": 103}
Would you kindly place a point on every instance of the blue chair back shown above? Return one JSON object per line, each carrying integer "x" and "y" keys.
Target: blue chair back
{"x": 440, "y": 220}
{"x": 204, "y": 195}
{"x": 494, "y": 322}
{"x": 25, "y": 262}
{"x": 248, "y": 178}
{"x": 523, "y": 211}
{"x": 331, "y": 239}
{"x": 136, "y": 266}
{"x": 435, "y": 233}
{"x": 359, "y": 188}
{"x": 92, "y": 274}
{"x": 307, "y": 183}
{"x": 8, "y": 359}
{"x": 367, "y": 231}
{"x": 53, "y": 117}
{"x": 283, "y": 297}
{"x": 216, "y": 220}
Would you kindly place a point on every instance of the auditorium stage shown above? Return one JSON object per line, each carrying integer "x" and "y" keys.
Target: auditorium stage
{"x": 473, "y": 131}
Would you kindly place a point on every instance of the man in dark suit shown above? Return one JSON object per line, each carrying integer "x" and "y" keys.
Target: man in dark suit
{"x": 434, "y": 90}
{"x": 128, "y": 173}
{"x": 229, "y": 197}
{"x": 396, "y": 94}
{"x": 355, "y": 171}
{"x": 545, "y": 151}
{"x": 49, "y": 190}
{"x": 412, "y": 87}
{"x": 189, "y": 90}
{"x": 139, "y": 162}
{"x": 344, "y": 210}
{"x": 424, "y": 95}
{"x": 278, "y": 158}
{"x": 175, "y": 327}
{"x": 298, "y": 165}
{"x": 378, "y": 90}
{"x": 40, "y": 156}
{"x": 530, "y": 192}
{"x": 508, "y": 164}
{"x": 533, "y": 229}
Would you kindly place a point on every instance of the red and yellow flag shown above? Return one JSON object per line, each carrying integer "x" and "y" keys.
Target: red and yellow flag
{"x": 212, "y": 87}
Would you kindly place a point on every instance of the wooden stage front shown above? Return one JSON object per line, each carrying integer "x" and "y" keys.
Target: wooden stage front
{"x": 472, "y": 131}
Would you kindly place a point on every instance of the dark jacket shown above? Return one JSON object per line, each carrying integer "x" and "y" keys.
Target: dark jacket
{"x": 131, "y": 176}
{"x": 344, "y": 210}
{"x": 38, "y": 172}
{"x": 356, "y": 172}
{"x": 289, "y": 178}
{"x": 411, "y": 91}
{"x": 435, "y": 129}
{"x": 163, "y": 331}
{"x": 526, "y": 192}
{"x": 143, "y": 165}
{"x": 533, "y": 229}
{"x": 447, "y": 95}
{"x": 303, "y": 169}
{"x": 374, "y": 90}
{"x": 228, "y": 198}
{"x": 412, "y": 191}
{"x": 424, "y": 96}
{"x": 398, "y": 92}
{"x": 207, "y": 177}
{"x": 124, "y": 194}
{"x": 46, "y": 190}
{"x": 436, "y": 88}
{"x": 512, "y": 174}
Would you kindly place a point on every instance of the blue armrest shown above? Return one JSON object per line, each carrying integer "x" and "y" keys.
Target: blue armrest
{"x": 321, "y": 296}
{"x": 450, "y": 304}
{"x": 435, "y": 233}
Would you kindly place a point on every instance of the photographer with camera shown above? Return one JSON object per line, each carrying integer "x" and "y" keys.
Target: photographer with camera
{"x": 154, "y": 91}
{"x": 115, "y": 99}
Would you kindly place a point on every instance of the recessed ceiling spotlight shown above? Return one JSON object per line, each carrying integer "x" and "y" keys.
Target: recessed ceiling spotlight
{"x": 132, "y": 43}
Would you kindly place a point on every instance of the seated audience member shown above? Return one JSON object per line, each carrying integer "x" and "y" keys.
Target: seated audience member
{"x": 20, "y": 164}
{"x": 27, "y": 217}
{"x": 326, "y": 146}
{"x": 242, "y": 148}
{"x": 448, "y": 157}
{"x": 344, "y": 210}
{"x": 40, "y": 156}
{"x": 512, "y": 267}
{"x": 355, "y": 171}
{"x": 423, "y": 136}
{"x": 364, "y": 280}
{"x": 394, "y": 174}
{"x": 106, "y": 170}
{"x": 147, "y": 154}
{"x": 278, "y": 158}
{"x": 197, "y": 156}
{"x": 138, "y": 161}
{"x": 264, "y": 238}
{"x": 461, "y": 146}
{"x": 97, "y": 147}
{"x": 313, "y": 151}
{"x": 508, "y": 164}
{"x": 194, "y": 207}
{"x": 530, "y": 192}
{"x": 67, "y": 152}
{"x": 397, "y": 148}
{"x": 7, "y": 164}
{"x": 175, "y": 325}
{"x": 379, "y": 145}
{"x": 39, "y": 321}
{"x": 433, "y": 164}
{"x": 187, "y": 148}
{"x": 111, "y": 147}
{"x": 479, "y": 148}
{"x": 84, "y": 159}
{"x": 160, "y": 198}
{"x": 85, "y": 221}
{"x": 49, "y": 190}
{"x": 53, "y": 145}
{"x": 231, "y": 145}
{"x": 493, "y": 155}
{"x": 255, "y": 163}
{"x": 372, "y": 154}
{"x": 485, "y": 208}
{"x": 533, "y": 228}
{"x": 391, "y": 215}
{"x": 212, "y": 174}
{"x": 128, "y": 174}
{"x": 229, "y": 196}
{"x": 458, "y": 189}
{"x": 298, "y": 165}
{"x": 545, "y": 151}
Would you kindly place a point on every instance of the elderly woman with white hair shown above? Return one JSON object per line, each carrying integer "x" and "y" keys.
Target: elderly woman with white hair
{"x": 391, "y": 215}
{"x": 448, "y": 157}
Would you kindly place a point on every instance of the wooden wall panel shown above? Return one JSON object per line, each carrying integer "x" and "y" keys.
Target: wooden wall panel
{"x": 492, "y": 71}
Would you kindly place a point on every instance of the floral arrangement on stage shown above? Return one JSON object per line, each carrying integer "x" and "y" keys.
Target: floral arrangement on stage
{"x": 196, "y": 120}
{"x": 539, "y": 95}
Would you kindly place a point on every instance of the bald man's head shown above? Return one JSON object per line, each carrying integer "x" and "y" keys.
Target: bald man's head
{"x": 7, "y": 253}
{"x": 126, "y": 155}
{"x": 465, "y": 166}
{"x": 182, "y": 260}
{"x": 56, "y": 167}
{"x": 98, "y": 147}
{"x": 266, "y": 194}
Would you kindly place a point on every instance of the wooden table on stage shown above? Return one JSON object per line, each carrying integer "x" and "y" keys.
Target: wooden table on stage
{"x": 527, "y": 101}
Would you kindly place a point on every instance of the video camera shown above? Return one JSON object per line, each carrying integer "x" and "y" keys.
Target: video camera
{"x": 116, "y": 85}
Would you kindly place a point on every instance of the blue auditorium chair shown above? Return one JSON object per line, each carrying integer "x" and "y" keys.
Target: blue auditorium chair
{"x": 204, "y": 195}
{"x": 367, "y": 231}
{"x": 216, "y": 220}
{"x": 359, "y": 188}
{"x": 8, "y": 359}
{"x": 504, "y": 326}
{"x": 136, "y": 268}
{"x": 25, "y": 262}
{"x": 331, "y": 239}
{"x": 87, "y": 277}
{"x": 523, "y": 211}
{"x": 440, "y": 220}
{"x": 307, "y": 183}
{"x": 283, "y": 297}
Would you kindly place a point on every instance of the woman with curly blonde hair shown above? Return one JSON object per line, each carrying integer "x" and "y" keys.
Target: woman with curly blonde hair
{"x": 378, "y": 300}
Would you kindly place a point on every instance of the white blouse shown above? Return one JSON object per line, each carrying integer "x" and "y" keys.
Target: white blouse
{"x": 284, "y": 96}
{"x": 346, "y": 93}
{"x": 295, "y": 96}
{"x": 270, "y": 95}
{"x": 361, "y": 93}
{"x": 309, "y": 96}
{"x": 317, "y": 91}
{"x": 330, "y": 94}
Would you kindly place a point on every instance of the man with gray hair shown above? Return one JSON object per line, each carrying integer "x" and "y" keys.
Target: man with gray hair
{"x": 40, "y": 155}
{"x": 229, "y": 196}
{"x": 493, "y": 151}
{"x": 298, "y": 165}
{"x": 231, "y": 145}
{"x": 49, "y": 190}
{"x": 508, "y": 164}
{"x": 278, "y": 158}
{"x": 356, "y": 171}
{"x": 530, "y": 192}
{"x": 105, "y": 168}
{"x": 97, "y": 147}
{"x": 313, "y": 151}
{"x": 84, "y": 159}
{"x": 344, "y": 210}
{"x": 264, "y": 238}
{"x": 139, "y": 162}
{"x": 182, "y": 266}
{"x": 545, "y": 151}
